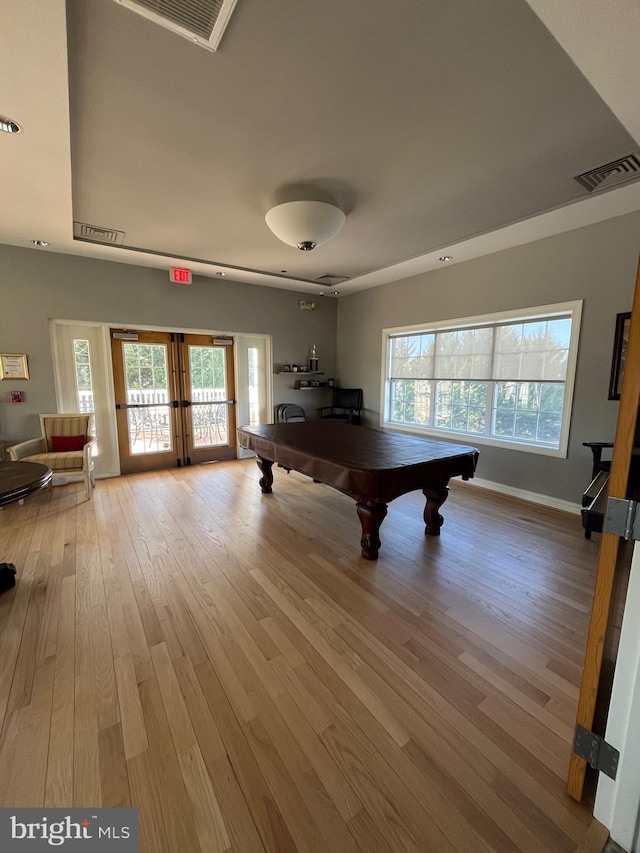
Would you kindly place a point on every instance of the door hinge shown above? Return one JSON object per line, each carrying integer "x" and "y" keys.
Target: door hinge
{"x": 622, "y": 518}
{"x": 596, "y": 752}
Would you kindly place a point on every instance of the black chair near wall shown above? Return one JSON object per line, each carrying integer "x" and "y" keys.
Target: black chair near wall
{"x": 346, "y": 406}
{"x": 597, "y": 448}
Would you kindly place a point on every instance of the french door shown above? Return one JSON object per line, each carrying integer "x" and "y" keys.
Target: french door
{"x": 174, "y": 399}
{"x": 208, "y": 410}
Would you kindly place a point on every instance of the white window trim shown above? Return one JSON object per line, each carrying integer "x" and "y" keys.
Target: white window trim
{"x": 574, "y": 308}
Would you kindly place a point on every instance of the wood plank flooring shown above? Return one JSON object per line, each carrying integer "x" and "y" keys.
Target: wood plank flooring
{"x": 225, "y": 662}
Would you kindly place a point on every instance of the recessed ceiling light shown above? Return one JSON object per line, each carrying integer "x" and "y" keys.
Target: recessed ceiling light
{"x": 40, "y": 243}
{"x": 222, "y": 273}
{"x": 335, "y": 292}
{"x": 9, "y": 126}
{"x": 445, "y": 258}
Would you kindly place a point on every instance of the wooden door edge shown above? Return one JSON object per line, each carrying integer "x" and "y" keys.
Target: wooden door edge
{"x": 592, "y": 665}
{"x": 623, "y": 445}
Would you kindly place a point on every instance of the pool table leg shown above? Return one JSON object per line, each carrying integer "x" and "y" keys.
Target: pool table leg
{"x": 432, "y": 518}
{"x": 371, "y": 517}
{"x": 266, "y": 481}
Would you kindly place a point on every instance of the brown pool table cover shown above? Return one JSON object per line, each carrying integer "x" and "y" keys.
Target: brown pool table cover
{"x": 360, "y": 461}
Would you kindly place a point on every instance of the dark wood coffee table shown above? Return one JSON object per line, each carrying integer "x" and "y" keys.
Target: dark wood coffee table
{"x": 17, "y": 481}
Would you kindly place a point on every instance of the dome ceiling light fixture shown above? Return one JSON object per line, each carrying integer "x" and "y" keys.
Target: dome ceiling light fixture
{"x": 305, "y": 224}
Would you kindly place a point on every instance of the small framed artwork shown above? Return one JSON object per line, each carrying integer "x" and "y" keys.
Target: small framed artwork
{"x": 286, "y": 368}
{"x": 304, "y": 383}
{"x": 619, "y": 360}
{"x": 331, "y": 383}
{"x": 13, "y": 366}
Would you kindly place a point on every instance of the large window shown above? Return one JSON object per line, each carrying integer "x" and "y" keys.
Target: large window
{"x": 505, "y": 379}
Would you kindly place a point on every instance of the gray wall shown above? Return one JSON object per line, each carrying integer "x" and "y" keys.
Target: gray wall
{"x": 37, "y": 286}
{"x": 597, "y": 264}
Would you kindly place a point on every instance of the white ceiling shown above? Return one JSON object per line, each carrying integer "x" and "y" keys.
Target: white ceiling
{"x": 443, "y": 128}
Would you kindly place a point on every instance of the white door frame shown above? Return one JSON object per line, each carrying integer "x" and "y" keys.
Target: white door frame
{"x": 265, "y": 379}
{"x": 63, "y": 333}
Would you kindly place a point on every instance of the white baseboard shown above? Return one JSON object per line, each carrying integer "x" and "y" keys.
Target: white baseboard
{"x": 524, "y": 495}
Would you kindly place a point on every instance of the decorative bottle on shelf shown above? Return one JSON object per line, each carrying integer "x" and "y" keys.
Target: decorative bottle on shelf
{"x": 313, "y": 359}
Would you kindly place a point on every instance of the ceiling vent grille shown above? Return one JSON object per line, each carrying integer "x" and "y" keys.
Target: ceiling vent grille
{"x": 330, "y": 279}
{"x": 82, "y": 231}
{"x": 202, "y": 21}
{"x": 621, "y": 171}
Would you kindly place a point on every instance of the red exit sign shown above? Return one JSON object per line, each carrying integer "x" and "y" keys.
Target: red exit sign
{"x": 180, "y": 276}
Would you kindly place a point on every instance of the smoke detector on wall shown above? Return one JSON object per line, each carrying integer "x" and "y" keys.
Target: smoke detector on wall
{"x": 200, "y": 21}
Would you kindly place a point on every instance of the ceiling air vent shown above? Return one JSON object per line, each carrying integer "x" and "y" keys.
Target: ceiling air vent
{"x": 82, "y": 231}
{"x": 330, "y": 280}
{"x": 202, "y": 21}
{"x": 621, "y": 171}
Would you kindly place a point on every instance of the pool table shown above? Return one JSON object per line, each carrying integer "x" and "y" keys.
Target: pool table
{"x": 372, "y": 466}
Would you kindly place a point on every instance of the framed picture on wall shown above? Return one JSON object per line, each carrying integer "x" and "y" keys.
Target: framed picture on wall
{"x": 620, "y": 346}
{"x": 13, "y": 366}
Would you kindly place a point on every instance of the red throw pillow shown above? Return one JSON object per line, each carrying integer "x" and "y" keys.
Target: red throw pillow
{"x": 63, "y": 443}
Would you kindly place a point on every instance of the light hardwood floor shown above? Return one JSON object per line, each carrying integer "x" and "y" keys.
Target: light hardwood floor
{"x": 226, "y": 662}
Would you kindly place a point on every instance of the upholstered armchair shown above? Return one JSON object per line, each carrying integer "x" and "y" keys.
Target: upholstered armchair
{"x": 65, "y": 446}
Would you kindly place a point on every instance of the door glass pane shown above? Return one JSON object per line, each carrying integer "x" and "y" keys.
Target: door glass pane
{"x": 209, "y": 418}
{"x": 209, "y": 423}
{"x": 147, "y": 382}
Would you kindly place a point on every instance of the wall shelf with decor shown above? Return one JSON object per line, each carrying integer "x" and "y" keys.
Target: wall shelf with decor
{"x": 298, "y": 372}
{"x": 319, "y": 387}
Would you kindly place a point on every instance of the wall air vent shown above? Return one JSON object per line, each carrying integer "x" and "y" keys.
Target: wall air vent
{"x": 95, "y": 234}
{"x": 622, "y": 171}
{"x": 330, "y": 280}
{"x": 202, "y": 21}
